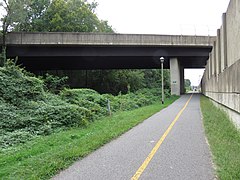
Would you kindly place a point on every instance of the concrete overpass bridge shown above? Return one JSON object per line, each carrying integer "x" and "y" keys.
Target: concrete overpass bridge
{"x": 69, "y": 51}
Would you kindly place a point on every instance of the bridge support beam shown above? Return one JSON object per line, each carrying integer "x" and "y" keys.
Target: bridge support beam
{"x": 177, "y": 77}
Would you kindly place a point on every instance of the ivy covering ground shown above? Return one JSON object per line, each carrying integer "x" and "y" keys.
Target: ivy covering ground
{"x": 29, "y": 107}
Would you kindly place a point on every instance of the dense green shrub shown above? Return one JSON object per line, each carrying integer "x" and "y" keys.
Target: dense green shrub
{"x": 16, "y": 137}
{"x": 27, "y": 110}
{"x": 87, "y": 98}
{"x": 31, "y": 106}
{"x": 54, "y": 84}
{"x": 16, "y": 87}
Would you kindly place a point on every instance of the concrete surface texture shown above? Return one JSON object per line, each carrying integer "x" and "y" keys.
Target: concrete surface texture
{"x": 221, "y": 80}
{"x": 106, "y": 39}
{"x": 175, "y": 76}
{"x": 183, "y": 155}
{"x": 75, "y": 51}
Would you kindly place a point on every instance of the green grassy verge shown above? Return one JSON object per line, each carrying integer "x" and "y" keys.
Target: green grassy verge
{"x": 44, "y": 157}
{"x": 224, "y": 140}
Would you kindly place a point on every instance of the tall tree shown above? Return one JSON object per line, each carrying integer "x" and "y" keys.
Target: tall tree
{"x": 15, "y": 12}
{"x": 187, "y": 82}
{"x": 152, "y": 78}
{"x": 63, "y": 16}
{"x": 34, "y": 20}
{"x": 114, "y": 81}
{"x": 74, "y": 16}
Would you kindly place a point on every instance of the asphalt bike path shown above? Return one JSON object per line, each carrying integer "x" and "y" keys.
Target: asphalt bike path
{"x": 169, "y": 145}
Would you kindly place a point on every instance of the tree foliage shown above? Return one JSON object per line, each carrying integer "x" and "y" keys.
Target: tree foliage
{"x": 15, "y": 12}
{"x": 36, "y": 10}
{"x": 187, "y": 82}
{"x": 115, "y": 81}
{"x": 63, "y": 16}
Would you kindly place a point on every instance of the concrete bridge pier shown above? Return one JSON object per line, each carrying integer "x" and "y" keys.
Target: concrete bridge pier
{"x": 182, "y": 82}
{"x": 177, "y": 77}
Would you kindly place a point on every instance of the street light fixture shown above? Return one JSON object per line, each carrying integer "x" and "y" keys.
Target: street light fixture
{"x": 162, "y": 61}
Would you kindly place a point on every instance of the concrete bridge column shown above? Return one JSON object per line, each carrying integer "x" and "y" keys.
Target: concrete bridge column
{"x": 175, "y": 75}
{"x": 182, "y": 83}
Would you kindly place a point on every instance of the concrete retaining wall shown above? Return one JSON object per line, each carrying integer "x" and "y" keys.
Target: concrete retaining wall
{"x": 233, "y": 32}
{"x": 225, "y": 87}
{"x": 221, "y": 80}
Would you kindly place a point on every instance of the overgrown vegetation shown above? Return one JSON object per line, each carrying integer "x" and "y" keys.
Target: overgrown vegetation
{"x": 43, "y": 157}
{"x": 224, "y": 140}
{"x": 27, "y": 110}
{"x": 43, "y": 129}
{"x": 32, "y": 107}
{"x": 114, "y": 81}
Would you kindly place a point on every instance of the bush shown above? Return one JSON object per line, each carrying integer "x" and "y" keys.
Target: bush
{"x": 31, "y": 106}
{"x": 54, "y": 84}
{"x": 67, "y": 115}
{"x": 16, "y": 87}
{"x": 19, "y": 136}
{"x": 27, "y": 110}
{"x": 87, "y": 98}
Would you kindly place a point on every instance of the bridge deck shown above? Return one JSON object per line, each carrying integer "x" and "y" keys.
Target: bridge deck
{"x": 106, "y": 51}
{"x": 64, "y": 38}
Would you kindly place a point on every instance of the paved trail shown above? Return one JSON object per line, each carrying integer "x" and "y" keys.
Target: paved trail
{"x": 182, "y": 155}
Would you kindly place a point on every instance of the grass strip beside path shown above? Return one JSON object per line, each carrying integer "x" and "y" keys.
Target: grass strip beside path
{"x": 45, "y": 156}
{"x": 224, "y": 140}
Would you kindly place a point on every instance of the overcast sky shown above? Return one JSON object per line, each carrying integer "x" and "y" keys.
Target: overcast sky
{"x": 187, "y": 17}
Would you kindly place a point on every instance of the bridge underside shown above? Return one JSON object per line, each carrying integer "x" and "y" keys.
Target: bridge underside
{"x": 60, "y": 57}
{"x": 103, "y": 62}
{"x": 100, "y": 57}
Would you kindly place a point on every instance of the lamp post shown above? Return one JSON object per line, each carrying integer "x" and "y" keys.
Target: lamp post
{"x": 162, "y": 61}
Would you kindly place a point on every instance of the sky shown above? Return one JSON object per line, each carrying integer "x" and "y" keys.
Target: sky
{"x": 173, "y": 17}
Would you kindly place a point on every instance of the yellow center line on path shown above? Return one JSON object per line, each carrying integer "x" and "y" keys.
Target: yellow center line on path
{"x": 156, "y": 147}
